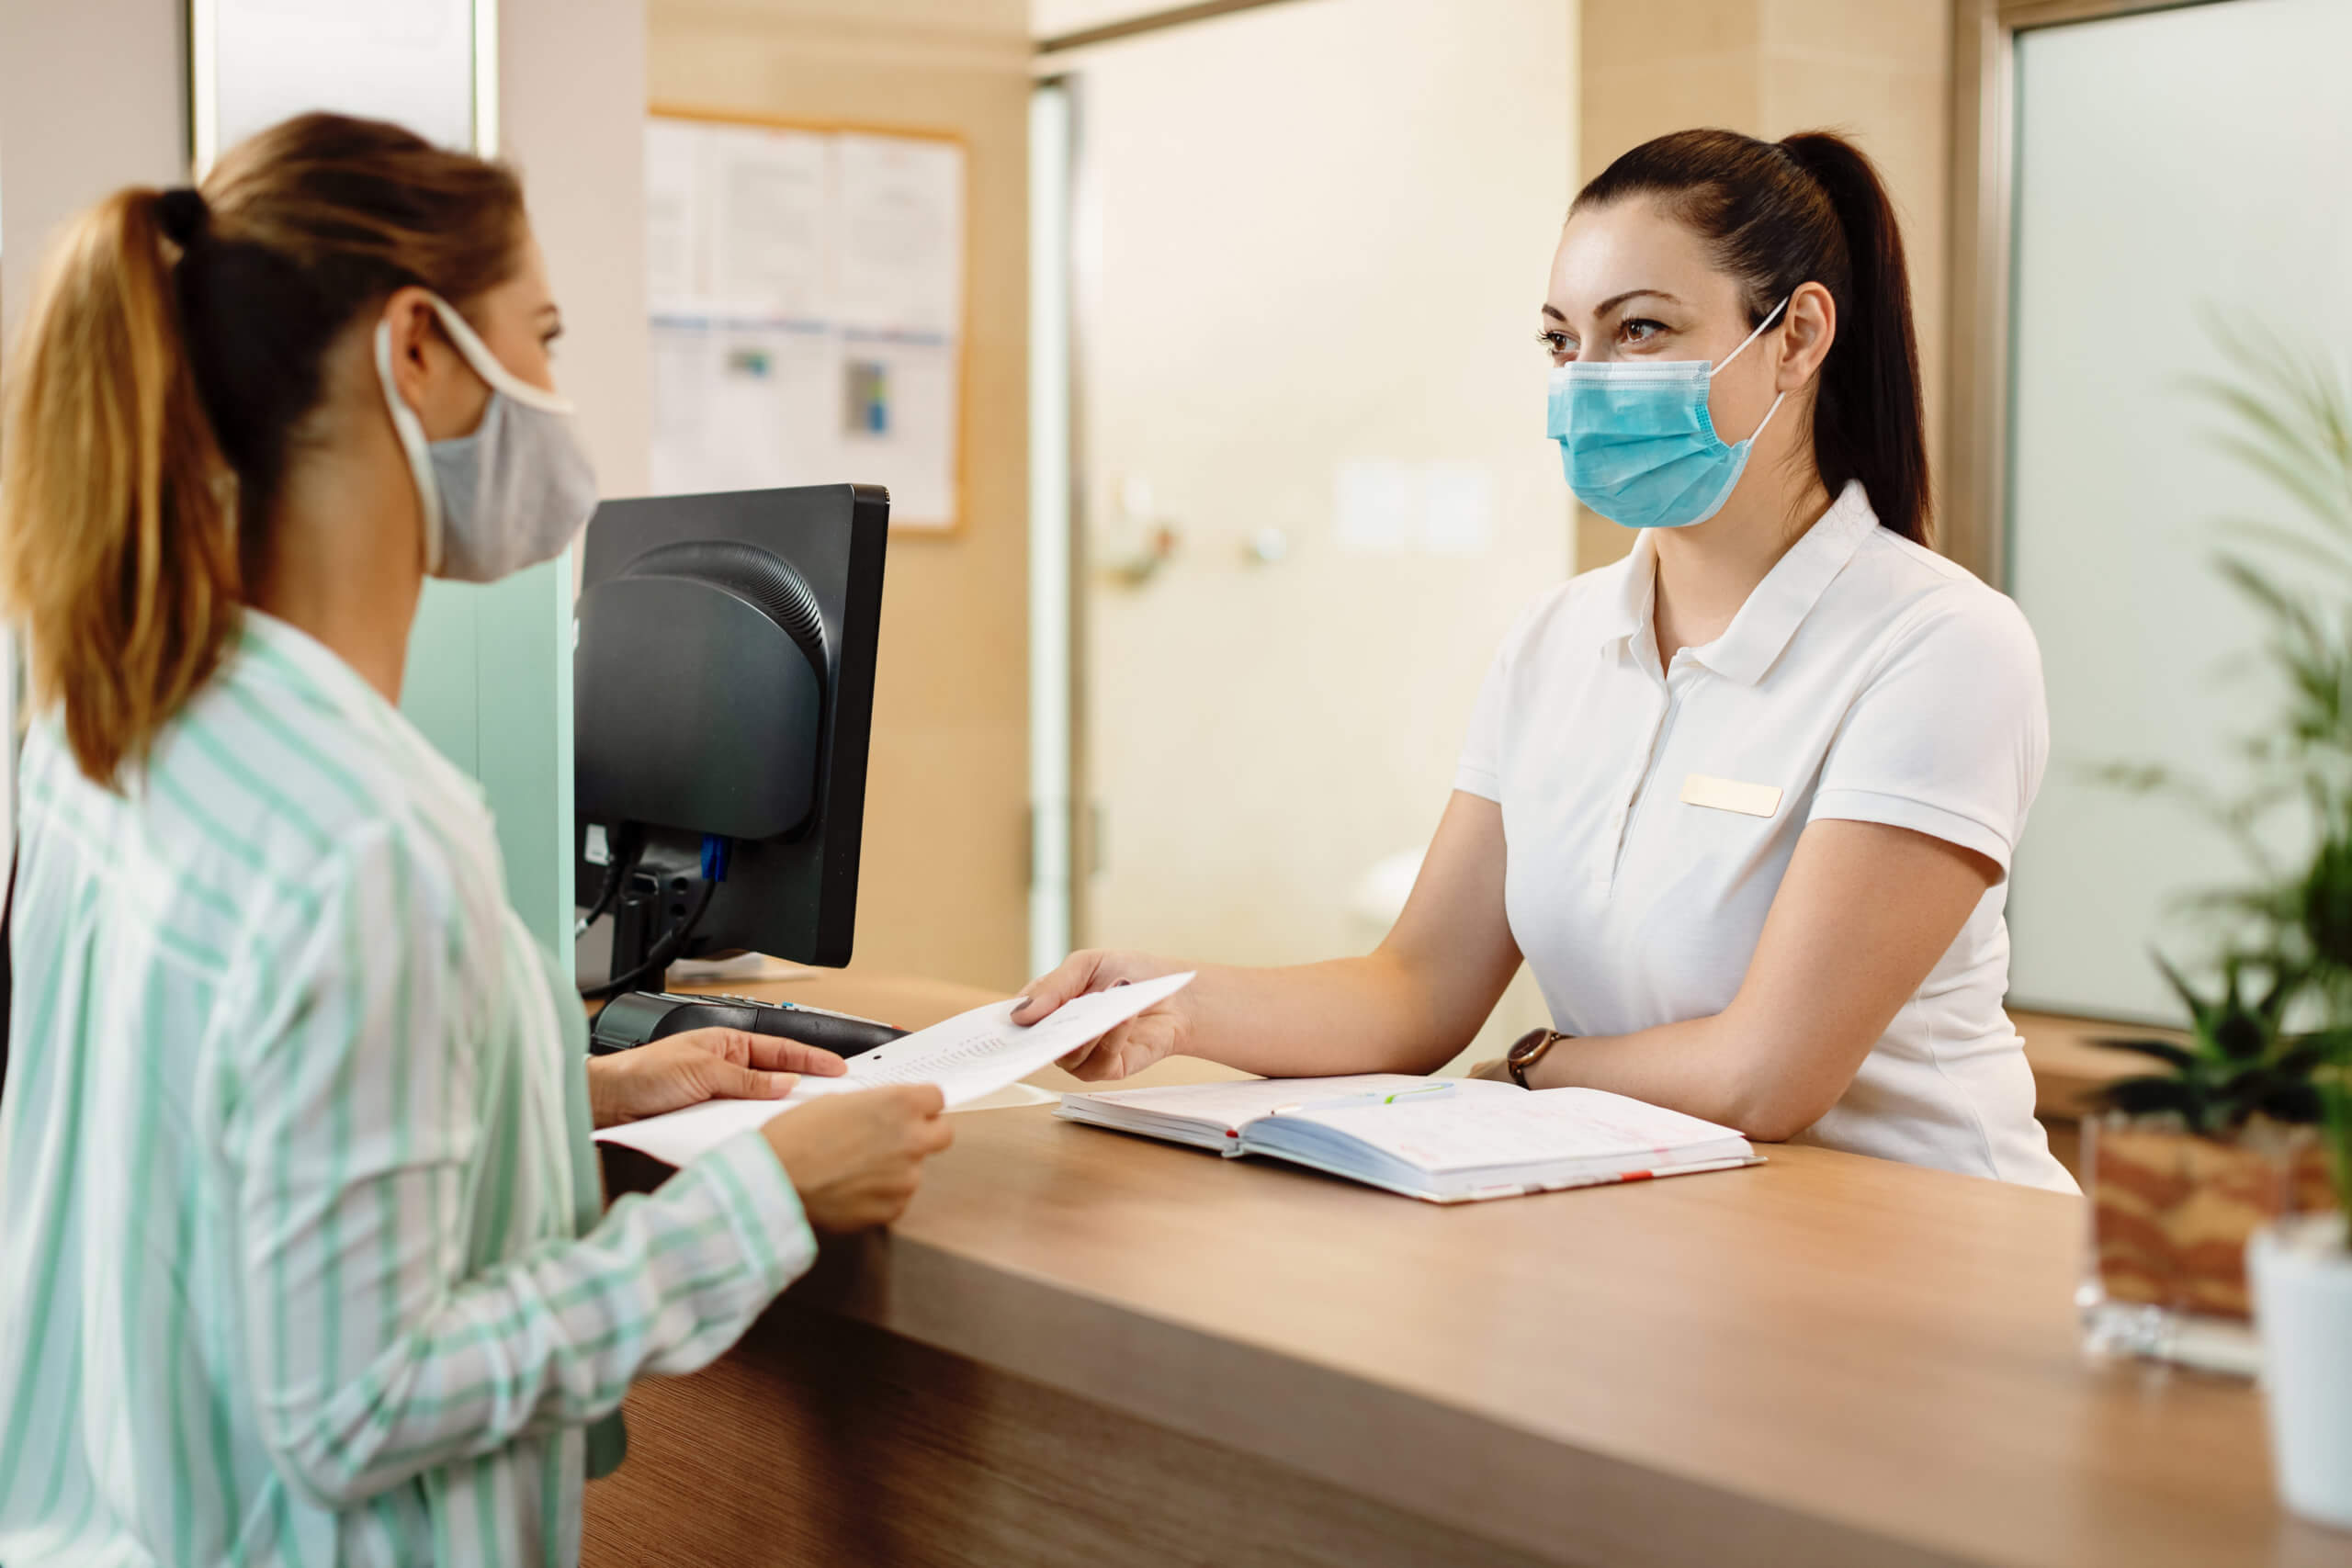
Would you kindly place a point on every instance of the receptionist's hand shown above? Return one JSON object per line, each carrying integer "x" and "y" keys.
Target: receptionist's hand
{"x": 1134, "y": 1045}
{"x": 701, "y": 1063}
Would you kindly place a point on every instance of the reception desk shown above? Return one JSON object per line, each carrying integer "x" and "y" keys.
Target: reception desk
{"x": 1084, "y": 1348}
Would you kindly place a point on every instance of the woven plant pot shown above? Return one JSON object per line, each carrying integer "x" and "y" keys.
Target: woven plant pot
{"x": 2170, "y": 1214}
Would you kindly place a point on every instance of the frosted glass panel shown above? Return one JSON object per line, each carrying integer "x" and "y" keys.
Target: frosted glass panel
{"x": 489, "y": 682}
{"x": 2165, "y": 163}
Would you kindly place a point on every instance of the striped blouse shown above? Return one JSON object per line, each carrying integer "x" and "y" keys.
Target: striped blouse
{"x": 303, "y": 1258}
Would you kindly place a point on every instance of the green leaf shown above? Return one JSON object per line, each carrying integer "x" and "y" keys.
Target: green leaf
{"x": 2154, "y": 1096}
{"x": 2301, "y": 1061}
{"x": 2199, "y": 1010}
{"x": 2294, "y": 1103}
{"x": 2326, "y": 1047}
{"x": 2162, "y": 1049}
{"x": 2292, "y": 542}
{"x": 2281, "y": 1096}
{"x": 2336, "y": 1098}
{"x": 2273, "y": 453}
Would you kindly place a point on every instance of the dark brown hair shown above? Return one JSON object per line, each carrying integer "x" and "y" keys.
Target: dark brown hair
{"x": 1810, "y": 209}
{"x": 175, "y": 344}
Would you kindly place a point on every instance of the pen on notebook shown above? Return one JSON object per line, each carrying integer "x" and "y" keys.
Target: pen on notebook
{"x": 1439, "y": 1090}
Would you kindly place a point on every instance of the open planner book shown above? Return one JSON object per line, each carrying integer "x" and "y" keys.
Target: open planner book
{"x": 1445, "y": 1140}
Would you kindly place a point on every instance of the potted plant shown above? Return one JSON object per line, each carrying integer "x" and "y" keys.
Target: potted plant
{"x": 2182, "y": 1168}
{"x": 2289, "y": 418}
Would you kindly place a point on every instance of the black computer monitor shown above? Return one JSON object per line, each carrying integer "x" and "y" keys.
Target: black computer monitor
{"x": 723, "y": 693}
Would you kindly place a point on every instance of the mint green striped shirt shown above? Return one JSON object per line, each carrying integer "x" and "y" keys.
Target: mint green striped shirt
{"x": 302, "y": 1252}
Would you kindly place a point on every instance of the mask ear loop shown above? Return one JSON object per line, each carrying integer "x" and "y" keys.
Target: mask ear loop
{"x": 1735, "y": 352}
{"x": 476, "y": 354}
{"x": 411, "y": 430}
{"x": 1751, "y": 337}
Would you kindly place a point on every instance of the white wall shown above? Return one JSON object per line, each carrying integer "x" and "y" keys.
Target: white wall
{"x": 92, "y": 95}
{"x": 2166, "y": 161}
{"x": 571, "y": 89}
{"x": 1313, "y": 237}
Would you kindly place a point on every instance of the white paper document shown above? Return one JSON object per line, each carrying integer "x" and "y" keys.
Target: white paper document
{"x": 971, "y": 1054}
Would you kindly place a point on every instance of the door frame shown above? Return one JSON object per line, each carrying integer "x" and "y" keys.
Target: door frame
{"x": 1976, "y": 513}
{"x": 1147, "y": 22}
{"x": 1057, "y": 774}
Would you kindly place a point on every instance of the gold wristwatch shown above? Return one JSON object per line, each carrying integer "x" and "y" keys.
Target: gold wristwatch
{"x": 1528, "y": 1049}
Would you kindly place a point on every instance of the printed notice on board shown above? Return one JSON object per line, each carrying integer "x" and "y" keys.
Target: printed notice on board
{"x": 807, "y": 311}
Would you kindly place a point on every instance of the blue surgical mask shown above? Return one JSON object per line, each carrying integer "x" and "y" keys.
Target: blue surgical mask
{"x": 1636, "y": 440}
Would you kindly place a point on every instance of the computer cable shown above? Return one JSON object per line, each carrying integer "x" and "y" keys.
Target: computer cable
{"x": 627, "y": 846}
{"x": 665, "y": 951}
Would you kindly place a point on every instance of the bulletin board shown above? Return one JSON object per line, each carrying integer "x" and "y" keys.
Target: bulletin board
{"x": 808, "y": 289}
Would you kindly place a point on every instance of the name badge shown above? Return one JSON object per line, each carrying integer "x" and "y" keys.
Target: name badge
{"x": 1730, "y": 795}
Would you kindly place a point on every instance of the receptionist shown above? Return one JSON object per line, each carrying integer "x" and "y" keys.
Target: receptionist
{"x": 304, "y": 1259}
{"x": 1746, "y": 800}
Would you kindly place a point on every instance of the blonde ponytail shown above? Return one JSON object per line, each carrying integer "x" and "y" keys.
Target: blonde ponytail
{"x": 117, "y": 545}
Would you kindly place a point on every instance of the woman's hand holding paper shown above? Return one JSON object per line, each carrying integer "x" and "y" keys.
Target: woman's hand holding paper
{"x": 700, "y": 1064}
{"x": 1159, "y": 1031}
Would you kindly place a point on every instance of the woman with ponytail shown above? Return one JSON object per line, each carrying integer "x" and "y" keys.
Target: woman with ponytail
{"x": 303, "y": 1256}
{"x": 1746, "y": 800}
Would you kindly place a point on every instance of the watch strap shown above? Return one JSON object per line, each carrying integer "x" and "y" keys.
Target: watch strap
{"x": 1528, "y": 1049}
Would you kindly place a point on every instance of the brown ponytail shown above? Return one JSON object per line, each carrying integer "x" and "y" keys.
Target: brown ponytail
{"x": 118, "y": 548}
{"x": 1810, "y": 209}
{"x": 160, "y": 384}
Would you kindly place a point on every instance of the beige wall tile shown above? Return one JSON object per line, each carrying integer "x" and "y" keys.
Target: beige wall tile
{"x": 1627, "y": 33}
{"x": 1599, "y": 541}
{"x": 1906, "y": 35}
{"x": 1624, "y": 107}
{"x": 1902, "y": 120}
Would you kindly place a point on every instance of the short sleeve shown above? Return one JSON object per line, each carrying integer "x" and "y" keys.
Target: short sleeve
{"x": 1480, "y": 771}
{"x": 1952, "y": 733}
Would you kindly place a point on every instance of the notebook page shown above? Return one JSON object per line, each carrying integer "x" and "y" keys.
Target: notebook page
{"x": 1230, "y": 1105}
{"x": 1540, "y": 1127}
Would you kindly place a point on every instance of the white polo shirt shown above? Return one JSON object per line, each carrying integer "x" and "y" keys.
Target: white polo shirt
{"x": 1649, "y": 814}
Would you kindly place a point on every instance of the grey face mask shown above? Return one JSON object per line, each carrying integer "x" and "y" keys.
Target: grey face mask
{"x": 511, "y": 494}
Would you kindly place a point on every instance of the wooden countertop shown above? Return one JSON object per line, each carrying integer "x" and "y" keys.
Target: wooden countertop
{"x": 1826, "y": 1359}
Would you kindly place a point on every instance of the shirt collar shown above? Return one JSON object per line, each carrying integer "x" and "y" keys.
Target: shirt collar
{"x": 1775, "y": 607}
{"x": 1626, "y": 611}
{"x": 310, "y": 664}
{"x": 335, "y": 685}
{"x": 1779, "y": 604}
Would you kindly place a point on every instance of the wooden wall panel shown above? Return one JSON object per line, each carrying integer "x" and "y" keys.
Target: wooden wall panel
{"x": 826, "y": 1441}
